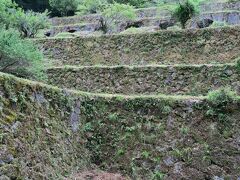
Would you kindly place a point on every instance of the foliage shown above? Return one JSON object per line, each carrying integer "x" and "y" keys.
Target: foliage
{"x": 221, "y": 97}
{"x": 184, "y": 12}
{"x": 220, "y": 102}
{"x": 115, "y": 13}
{"x": 158, "y": 175}
{"x": 30, "y": 23}
{"x": 91, "y": 6}
{"x": 19, "y": 57}
{"x": 7, "y": 10}
{"x": 64, "y": 7}
{"x": 35, "y": 5}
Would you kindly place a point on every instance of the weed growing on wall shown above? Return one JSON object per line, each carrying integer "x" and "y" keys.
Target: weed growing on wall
{"x": 220, "y": 106}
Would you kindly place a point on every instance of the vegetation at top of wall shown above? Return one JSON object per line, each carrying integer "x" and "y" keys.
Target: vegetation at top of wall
{"x": 184, "y": 12}
{"x": 135, "y": 3}
{"x": 221, "y": 105}
{"x": 221, "y": 97}
{"x": 19, "y": 57}
{"x": 218, "y": 24}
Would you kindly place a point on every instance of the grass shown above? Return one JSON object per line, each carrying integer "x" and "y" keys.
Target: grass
{"x": 140, "y": 66}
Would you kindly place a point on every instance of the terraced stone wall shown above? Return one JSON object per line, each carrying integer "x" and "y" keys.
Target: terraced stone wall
{"x": 40, "y": 134}
{"x": 149, "y": 138}
{"x": 44, "y": 132}
{"x": 219, "y": 45}
{"x": 191, "y": 80}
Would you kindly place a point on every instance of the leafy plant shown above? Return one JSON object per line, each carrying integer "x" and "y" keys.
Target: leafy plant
{"x": 184, "y": 12}
{"x": 158, "y": 175}
{"x": 220, "y": 102}
{"x": 115, "y": 13}
{"x": 30, "y": 23}
{"x": 221, "y": 97}
{"x": 64, "y": 7}
{"x": 7, "y": 11}
{"x": 19, "y": 57}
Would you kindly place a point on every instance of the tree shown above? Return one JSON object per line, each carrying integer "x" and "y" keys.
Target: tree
{"x": 64, "y": 7}
{"x": 30, "y": 23}
{"x": 114, "y": 14}
{"x": 18, "y": 56}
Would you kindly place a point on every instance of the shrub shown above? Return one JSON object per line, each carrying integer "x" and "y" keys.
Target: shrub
{"x": 114, "y": 14}
{"x": 7, "y": 10}
{"x": 221, "y": 97}
{"x": 64, "y": 7}
{"x": 30, "y": 23}
{"x": 19, "y": 57}
{"x": 184, "y": 12}
{"x": 91, "y": 6}
{"x": 220, "y": 106}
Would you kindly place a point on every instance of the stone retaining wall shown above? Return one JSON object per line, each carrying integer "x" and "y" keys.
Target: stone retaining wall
{"x": 44, "y": 132}
{"x": 220, "y": 45}
{"x": 187, "y": 80}
{"x": 40, "y": 134}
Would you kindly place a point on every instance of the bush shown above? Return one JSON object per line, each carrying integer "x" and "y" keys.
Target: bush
{"x": 64, "y": 7}
{"x": 91, "y": 6}
{"x": 7, "y": 10}
{"x": 184, "y": 12}
{"x": 30, "y": 23}
{"x": 19, "y": 57}
{"x": 220, "y": 106}
{"x": 221, "y": 97}
{"x": 114, "y": 14}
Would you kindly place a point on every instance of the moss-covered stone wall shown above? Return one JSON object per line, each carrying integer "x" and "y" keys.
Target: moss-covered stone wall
{"x": 40, "y": 134}
{"x": 191, "y": 80}
{"x": 45, "y": 131}
{"x": 220, "y": 45}
{"x": 149, "y": 138}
